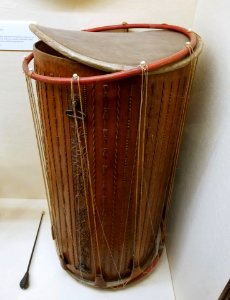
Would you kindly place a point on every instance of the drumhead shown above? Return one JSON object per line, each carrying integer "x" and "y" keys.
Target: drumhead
{"x": 112, "y": 51}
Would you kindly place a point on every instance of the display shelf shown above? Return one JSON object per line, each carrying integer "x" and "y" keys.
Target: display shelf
{"x": 19, "y": 220}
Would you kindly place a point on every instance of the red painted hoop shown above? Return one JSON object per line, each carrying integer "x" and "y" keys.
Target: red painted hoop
{"x": 120, "y": 74}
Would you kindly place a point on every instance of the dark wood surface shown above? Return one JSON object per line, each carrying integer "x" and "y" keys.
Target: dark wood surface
{"x": 112, "y": 235}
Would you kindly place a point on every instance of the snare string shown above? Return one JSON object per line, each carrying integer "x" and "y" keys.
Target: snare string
{"x": 89, "y": 176}
{"x": 93, "y": 200}
{"x": 82, "y": 167}
{"x": 94, "y": 205}
{"x": 140, "y": 159}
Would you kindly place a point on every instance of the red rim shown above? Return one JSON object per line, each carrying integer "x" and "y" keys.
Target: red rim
{"x": 120, "y": 74}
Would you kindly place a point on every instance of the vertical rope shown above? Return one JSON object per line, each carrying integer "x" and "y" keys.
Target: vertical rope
{"x": 140, "y": 160}
{"x": 95, "y": 209}
{"x": 193, "y": 62}
{"x": 40, "y": 143}
{"x": 142, "y": 144}
{"x": 76, "y": 77}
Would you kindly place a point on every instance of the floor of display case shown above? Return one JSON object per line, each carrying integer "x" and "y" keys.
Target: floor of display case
{"x": 19, "y": 219}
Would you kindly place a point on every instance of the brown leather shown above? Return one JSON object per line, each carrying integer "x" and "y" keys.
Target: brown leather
{"x": 112, "y": 51}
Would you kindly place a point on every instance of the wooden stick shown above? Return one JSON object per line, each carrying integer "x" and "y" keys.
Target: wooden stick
{"x": 24, "y": 283}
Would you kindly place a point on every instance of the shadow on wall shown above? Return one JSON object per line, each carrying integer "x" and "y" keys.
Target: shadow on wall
{"x": 197, "y": 149}
{"x": 17, "y": 182}
{"x": 200, "y": 132}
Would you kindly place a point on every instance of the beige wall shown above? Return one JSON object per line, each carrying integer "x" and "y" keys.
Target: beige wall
{"x": 84, "y": 13}
{"x": 199, "y": 231}
{"x": 198, "y": 241}
{"x": 20, "y": 174}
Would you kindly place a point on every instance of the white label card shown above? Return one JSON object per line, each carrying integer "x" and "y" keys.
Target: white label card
{"x": 16, "y": 35}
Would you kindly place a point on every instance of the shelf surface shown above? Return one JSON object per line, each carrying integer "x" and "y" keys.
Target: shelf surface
{"x": 19, "y": 220}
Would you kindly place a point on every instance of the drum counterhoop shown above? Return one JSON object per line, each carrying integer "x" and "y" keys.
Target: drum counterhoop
{"x": 108, "y": 124}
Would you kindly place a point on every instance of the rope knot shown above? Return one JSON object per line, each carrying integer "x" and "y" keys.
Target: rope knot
{"x": 143, "y": 65}
{"x": 75, "y": 77}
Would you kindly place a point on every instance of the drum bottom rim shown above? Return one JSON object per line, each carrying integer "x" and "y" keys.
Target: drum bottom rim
{"x": 147, "y": 269}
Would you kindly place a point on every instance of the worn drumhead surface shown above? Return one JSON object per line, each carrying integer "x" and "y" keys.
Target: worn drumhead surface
{"x": 112, "y": 51}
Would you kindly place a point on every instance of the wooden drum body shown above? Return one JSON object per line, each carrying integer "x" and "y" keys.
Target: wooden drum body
{"x": 110, "y": 151}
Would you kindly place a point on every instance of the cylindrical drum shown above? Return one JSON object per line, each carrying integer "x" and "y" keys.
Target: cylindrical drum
{"x": 110, "y": 119}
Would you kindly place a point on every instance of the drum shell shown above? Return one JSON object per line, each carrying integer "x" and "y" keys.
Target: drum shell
{"x": 121, "y": 237}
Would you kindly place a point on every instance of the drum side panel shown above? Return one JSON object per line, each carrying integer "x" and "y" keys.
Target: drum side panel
{"x": 112, "y": 130}
{"x": 166, "y": 107}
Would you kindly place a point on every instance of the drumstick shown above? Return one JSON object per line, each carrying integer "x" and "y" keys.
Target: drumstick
{"x": 24, "y": 283}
